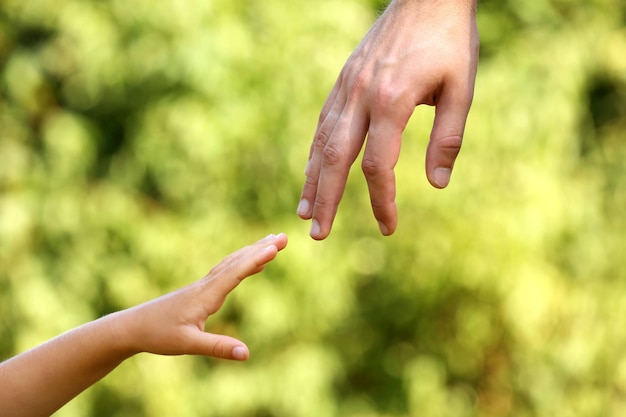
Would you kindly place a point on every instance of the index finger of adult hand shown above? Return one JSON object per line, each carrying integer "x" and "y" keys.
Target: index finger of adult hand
{"x": 331, "y": 111}
{"x": 338, "y": 155}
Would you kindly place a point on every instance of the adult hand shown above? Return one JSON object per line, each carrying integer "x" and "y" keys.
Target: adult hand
{"x": 174, "y": 323}
{"x": 418, "y": 52}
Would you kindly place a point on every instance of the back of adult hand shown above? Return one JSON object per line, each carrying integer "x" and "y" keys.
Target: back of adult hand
{"x": 418, "y": 52}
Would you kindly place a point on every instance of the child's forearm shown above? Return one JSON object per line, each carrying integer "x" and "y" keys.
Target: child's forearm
{"x": 41, "y": 380}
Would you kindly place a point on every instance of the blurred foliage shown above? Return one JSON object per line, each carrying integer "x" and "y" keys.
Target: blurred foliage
{"x": 141, "y": 142}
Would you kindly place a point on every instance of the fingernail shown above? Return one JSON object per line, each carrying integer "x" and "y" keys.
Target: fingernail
{"x": 240, "y": 353}
{"x": 383, "y": 228}
{"x": 304, "y": 207}
{"x": 442, "y": 176}
{"x": 315, "y": 228}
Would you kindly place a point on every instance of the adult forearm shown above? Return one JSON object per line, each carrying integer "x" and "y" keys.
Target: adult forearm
{"x": 40, "y": 381}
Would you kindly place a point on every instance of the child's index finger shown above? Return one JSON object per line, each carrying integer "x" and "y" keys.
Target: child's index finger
{"x": 239, "y": 265}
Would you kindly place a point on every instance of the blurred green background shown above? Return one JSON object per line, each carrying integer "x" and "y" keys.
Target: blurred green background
{"x": 141, "y": 142}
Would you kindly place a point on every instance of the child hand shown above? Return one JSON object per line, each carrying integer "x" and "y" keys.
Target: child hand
{"x": 174, "y": 323}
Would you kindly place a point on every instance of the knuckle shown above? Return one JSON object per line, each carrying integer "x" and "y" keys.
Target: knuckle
{"x": 321, "y": 137}
{"x": 311, "y": 182}
{"x": 450, "y": 145}
{"x": 332, "y": 155}
{"x": 323, "y": 203}
{"x": 359, "y": 85}
{"x": 386, "y": 95}
{"x": 371, "y": 167}
{"x": 218, "y": 349}
{"x": 390, "y": 98}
